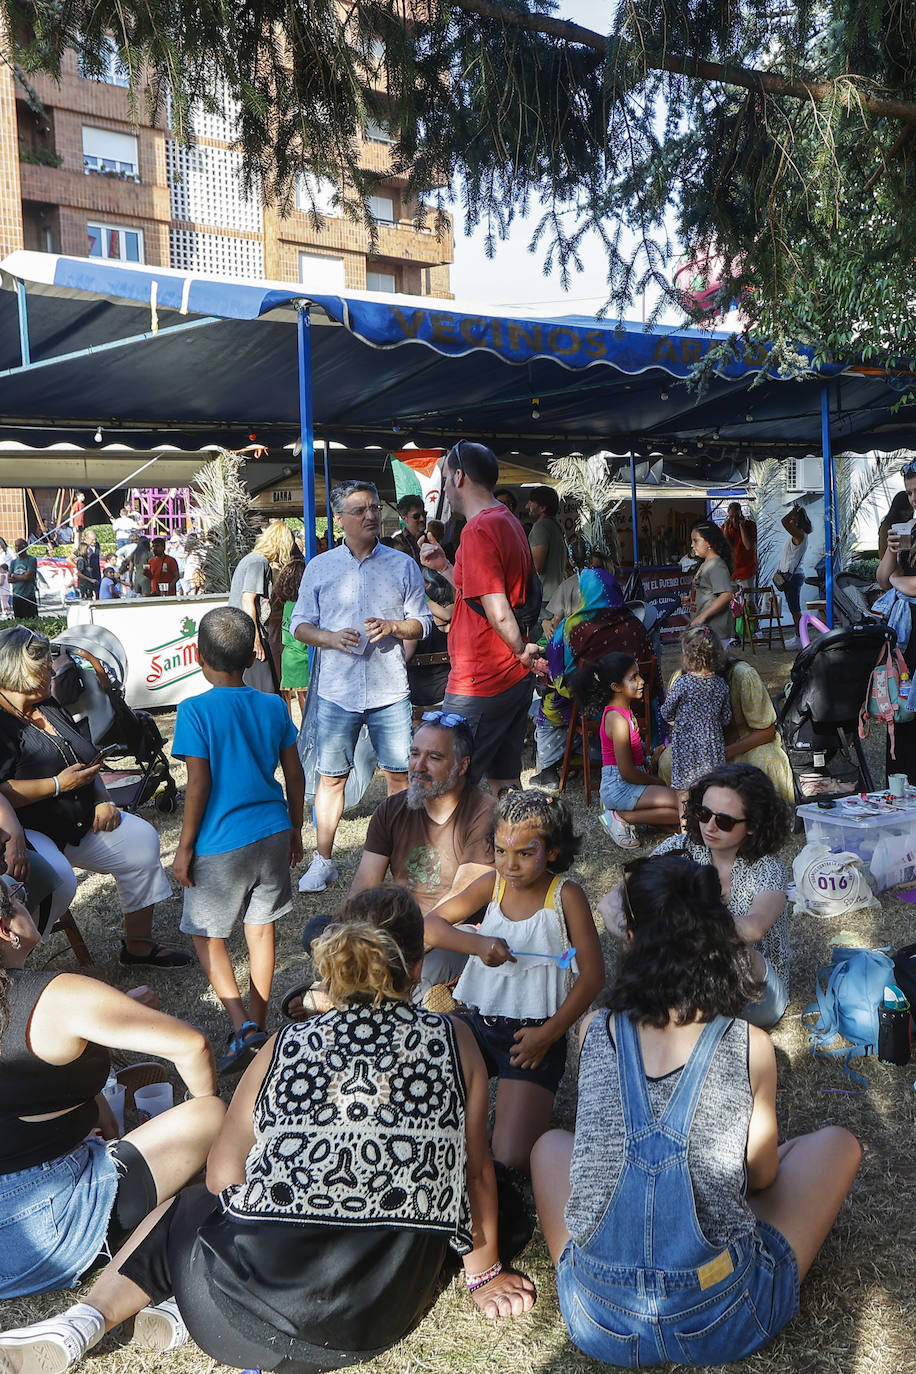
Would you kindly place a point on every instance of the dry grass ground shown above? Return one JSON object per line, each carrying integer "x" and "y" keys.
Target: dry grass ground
{"x": 858, "y": 1311}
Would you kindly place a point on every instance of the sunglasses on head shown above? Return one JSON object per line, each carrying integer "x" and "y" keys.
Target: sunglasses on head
{"x": 448, "y": 719}
{"x": 722, "y": 819}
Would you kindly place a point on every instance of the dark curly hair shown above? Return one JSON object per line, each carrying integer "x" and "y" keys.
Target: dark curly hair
{"x": 608, "y": 673}
{"x": 551, "y": 815}
{"x": 685, "y": 959}
{"x": 286, "y": 582}
{"x": 714, "y": 536}
{"x": 769, "y": 818}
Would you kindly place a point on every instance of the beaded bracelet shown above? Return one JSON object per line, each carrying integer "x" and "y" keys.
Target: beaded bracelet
{"x": 475, "y": 1281}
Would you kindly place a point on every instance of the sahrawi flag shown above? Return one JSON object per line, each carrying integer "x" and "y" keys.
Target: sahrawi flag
{"x": 418, "y": 472}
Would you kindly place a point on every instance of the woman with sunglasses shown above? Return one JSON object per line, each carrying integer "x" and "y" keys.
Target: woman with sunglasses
{"x": 674, "y": 1177}
{"x": 896, "y": 576}
{"x": 736, "y": 823}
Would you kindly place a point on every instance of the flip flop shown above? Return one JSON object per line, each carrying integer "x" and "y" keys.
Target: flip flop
{"x": 306, "y": 993}
{"x": 158, "y": 957}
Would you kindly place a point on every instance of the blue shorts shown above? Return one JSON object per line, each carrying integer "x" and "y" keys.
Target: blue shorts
{"x": 771, "y": 1004}
{"x": 608, "y": 1319}
{"x": 338, "y": 731}
{"x": 616, "y": 793}
{"x": 495, "y": 1036}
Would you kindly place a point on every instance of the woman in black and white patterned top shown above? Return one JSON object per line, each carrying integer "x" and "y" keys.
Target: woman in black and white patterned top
{"x": 736, "y": 821}
{"x": 353, "y": 1157}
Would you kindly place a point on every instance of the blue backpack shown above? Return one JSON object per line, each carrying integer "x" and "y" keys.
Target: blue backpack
{"x": 848, "y": 1005}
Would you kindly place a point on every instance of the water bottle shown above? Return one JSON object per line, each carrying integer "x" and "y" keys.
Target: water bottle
{"x": 894, "y": 1027}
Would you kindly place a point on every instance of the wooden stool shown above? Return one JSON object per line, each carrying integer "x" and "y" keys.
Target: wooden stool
{"x": 769, "y": 615}
{"x": 590, "y": 729}
{"x": 69, "y": 927}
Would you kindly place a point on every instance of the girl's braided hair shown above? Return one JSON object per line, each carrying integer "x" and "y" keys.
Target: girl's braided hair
{"x": 551, "y": 815}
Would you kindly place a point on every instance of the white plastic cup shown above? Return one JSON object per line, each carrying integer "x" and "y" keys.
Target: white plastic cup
{"x": 152, "y": 1101}
{"x": 113, "y": 1094}
{"x": 896, "y": 784}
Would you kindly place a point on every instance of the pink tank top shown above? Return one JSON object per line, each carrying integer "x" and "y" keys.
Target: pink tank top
{"x": 607, "y": 744}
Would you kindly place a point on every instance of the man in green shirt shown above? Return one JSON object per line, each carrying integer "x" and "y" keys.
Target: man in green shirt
{"x": 24, "y": 578}
{"x": 548, "y": 547}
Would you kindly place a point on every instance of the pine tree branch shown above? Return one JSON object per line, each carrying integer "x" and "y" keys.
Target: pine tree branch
{"x": 750, "y": 78}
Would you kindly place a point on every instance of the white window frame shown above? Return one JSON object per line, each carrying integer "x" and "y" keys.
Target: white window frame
{"x": 113, "y": 74}
{"x": 378, "y": 130}
{"x": 322, "y": 190}
{"x": 122, "y": 229}
{"x": 379, "y": 276}
{"x": 308, "y": 259}
{"x": 381, "y": 208}
{"x": 102, "y": 154}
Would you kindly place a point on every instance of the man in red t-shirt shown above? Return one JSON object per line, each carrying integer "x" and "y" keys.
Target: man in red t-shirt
{"x": 162, "y": 570}
{"x": 490, "y": 682}
{"x": 741, "y": 534}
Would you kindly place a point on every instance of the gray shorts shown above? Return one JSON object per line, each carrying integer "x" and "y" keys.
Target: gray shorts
{"x": 251, "y": 883}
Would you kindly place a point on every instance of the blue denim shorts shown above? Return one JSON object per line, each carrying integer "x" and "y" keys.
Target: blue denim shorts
{"x": 338, "y": 731}
{"x": 768, "y": 1009}
{"x": 616, "y": 793}
{"x": 635, "y": 1319}
{"x": 54, "y": 1219}
{"x": 495, "y": 1036}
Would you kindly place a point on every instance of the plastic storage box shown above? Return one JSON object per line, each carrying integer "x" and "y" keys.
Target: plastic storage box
{"x": 886, "y": 844}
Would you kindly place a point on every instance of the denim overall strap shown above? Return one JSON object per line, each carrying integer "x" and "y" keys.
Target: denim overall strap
{"x": 655, "y": 1183}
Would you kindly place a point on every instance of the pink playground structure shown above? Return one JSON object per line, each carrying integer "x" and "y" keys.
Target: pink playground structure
{"x": 163, "y": 509}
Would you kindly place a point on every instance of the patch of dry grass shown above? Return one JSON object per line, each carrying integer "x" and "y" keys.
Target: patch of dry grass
{"x": 858, "y": 1310}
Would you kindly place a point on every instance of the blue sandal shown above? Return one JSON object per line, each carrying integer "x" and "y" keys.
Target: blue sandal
{"x": 243, "y": 1045}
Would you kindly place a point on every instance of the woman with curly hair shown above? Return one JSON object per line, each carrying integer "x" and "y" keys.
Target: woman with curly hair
{"x": 352, "y": 1160}
{"x": 736, "y": 823}
{"x": 679, "y": 1228}
{"x": 712, "y": 585}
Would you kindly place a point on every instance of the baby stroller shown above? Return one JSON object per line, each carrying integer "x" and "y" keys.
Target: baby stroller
{"x": 819, "y": 715}
{"x": 90, "y": 669}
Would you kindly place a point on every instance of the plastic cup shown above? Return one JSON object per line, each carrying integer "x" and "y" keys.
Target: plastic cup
{"x": 113, "y": 1094}
{"x": 152, "y": 1101}
{"x": 896, "y": 784}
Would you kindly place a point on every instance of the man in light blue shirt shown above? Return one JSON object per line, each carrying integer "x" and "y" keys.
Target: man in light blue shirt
{"x": 358, "y": 603}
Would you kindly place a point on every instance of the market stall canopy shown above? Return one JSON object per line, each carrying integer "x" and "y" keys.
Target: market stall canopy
{"x": 187, "y": 360}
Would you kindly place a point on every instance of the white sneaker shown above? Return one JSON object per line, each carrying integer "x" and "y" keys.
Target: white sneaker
{"x": 793, "y": 643}
{"x": 319, "y": 873}
{"x": 161, "y": 1327}
{"x": 51, "y": 1346}
{"x": 618, "y": 829}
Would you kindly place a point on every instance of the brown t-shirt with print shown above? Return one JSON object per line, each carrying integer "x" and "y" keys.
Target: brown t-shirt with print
{"x": 425, "y": 856}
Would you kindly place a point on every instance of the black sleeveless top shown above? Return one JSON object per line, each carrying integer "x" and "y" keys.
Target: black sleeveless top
{"x": 30, "y": 1087}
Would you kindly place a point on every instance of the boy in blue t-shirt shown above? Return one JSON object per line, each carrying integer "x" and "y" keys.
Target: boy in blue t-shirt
{"x": 239, "y": 838}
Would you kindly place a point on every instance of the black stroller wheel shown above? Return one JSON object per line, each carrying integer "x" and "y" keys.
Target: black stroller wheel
{"x": 166, "y": 800}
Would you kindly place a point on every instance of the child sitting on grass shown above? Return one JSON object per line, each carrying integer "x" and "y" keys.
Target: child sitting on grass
{"x": 239, "y": 838}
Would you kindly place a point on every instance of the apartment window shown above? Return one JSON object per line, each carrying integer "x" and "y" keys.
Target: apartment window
{"x": 111, "y": 241}
{"x": 322, "y": 271}
{"x": 322, "y": 194}
{"x": 378, "y": 130}
{"x": 381, "y": 208}
{"x": 110, "y": 152}
{"x": 381, "y": 281}
{"x": 113, "y": 71}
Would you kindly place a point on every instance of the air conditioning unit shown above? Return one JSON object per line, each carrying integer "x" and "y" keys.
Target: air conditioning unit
{"x": 804, "y": 474}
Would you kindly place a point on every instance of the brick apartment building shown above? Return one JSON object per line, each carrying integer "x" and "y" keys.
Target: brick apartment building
{"x": 81, "y": 179}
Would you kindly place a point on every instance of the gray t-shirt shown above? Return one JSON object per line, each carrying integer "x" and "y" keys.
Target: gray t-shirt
{"x": 546, "y": 533}
{"x": 717, "y": 1142}
{"x": 252, "y": 574}
{"x": 712, "y": 579}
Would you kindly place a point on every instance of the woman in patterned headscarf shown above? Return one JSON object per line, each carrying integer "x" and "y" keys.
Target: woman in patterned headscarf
{"x": 600, "y": 625}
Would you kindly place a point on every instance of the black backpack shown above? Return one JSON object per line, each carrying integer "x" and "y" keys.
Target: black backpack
{"x": 527, "y": 613}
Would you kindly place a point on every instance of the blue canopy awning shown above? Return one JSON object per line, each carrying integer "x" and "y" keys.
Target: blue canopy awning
{"x": 151, "y": 350}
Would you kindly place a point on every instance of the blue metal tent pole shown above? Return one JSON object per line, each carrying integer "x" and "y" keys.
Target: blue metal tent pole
{"x": 633, "y": 510}
{"x": 306, "y": 434}
{"x": 25, "y": 350}
{"x": 828, "y": 500}
{"x": 327, "y": 491}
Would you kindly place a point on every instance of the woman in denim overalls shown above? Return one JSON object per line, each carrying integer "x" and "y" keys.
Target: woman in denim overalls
{"x": 682, "y": 1230}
